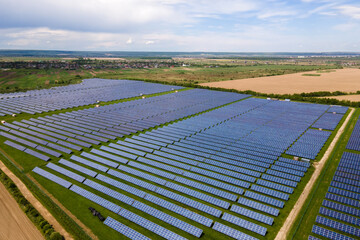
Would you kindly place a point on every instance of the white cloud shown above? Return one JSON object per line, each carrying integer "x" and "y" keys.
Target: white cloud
{"x": 351, "y": 11}
{"x": 149, "y": 42}
{"x": 271, "y": 14}
{"x": 129, "y": 41}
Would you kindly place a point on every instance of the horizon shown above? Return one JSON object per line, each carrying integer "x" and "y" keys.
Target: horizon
{"x": 182, "y": 25}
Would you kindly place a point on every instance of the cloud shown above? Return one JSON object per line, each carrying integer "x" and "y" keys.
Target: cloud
{"x": 271, "y": 14}
{"x": 129, "y": 41}
{"x": 149, "y": 42}
{"x": 87, "y": 15}
{"x": 350, "y": 11}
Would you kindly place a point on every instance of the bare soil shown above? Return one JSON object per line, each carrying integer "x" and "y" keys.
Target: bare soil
{"x": 34, "y": 201}
{"x": 14, "y": 224}
{"x": 284, "y": 231}
{"x": 346, "y": 80}
{"x": 352, "y": 98}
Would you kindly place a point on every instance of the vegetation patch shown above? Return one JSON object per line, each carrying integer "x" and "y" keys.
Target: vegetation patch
{"x": 311, "y": 75}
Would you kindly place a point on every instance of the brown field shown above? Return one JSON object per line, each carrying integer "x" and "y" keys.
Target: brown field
{"x": 352, "y": 98}
{"x": 346, "y": 80}
{"x": 14, "y": 224}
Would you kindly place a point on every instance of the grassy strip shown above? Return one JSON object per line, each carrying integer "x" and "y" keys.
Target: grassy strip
{"x": 69, "y": 224}
{"x": 39, "y": 221}
{"x": 311, "y": 75}
{"x": 306, "y": 218}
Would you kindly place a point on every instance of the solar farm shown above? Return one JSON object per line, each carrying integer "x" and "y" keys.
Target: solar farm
{"x": 168, "y": 162}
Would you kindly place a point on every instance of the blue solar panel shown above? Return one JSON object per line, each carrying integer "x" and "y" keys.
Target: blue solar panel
{"x": 179, "y": 210}
{"x": 231, "y": 232}
{"x": 78, "y": 168}
{"x": 89, "y": 163}
{"x": 244, "y": 224}
{"x": 187, "y": 201}
{"x": 265, "y": 199}
{"x": 329, "y": 234}
{"x": 340, "y": 216}
{"x": 110, "y": 156}
{"x": 341, "y": 208}
{"x": 66, "y": 172}
{"x": 252, "y": 214}
{"x": 338, "y": 226}
{"x": 155, "y": 228}
{"x": 121, "y": 197}
{"x": 100, "y": 159}
{"x": 52, "y": 177}
{"x": 168, "y": 219}
{"x": 125, "y": 230}
{"x": 95, "y": 198}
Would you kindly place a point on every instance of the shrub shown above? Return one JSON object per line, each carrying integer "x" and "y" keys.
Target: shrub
{"x": 56, "y": 236}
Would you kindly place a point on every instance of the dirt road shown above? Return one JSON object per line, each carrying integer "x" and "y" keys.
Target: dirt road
{"x": 14, "y": 224}
{"x": 284, "y": 231}
{"x": 30, "y": 197}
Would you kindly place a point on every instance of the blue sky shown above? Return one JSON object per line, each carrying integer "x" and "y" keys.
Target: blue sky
{"x": 181, "y": 25}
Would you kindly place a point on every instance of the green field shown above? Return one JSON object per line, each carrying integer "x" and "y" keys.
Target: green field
{"x": 25, "y": 79}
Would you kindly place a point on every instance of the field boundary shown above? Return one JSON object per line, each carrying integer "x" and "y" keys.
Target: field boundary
{"x": 34, "y": 202}
{"x": 284, "y": 231}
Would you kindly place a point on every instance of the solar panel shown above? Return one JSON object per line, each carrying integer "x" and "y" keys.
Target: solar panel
{"x": 231, "y": 232}
{"x": 244, "y": 224}
{"x": 329, "y": 234}
{"x": 155, "y": 228}
{"x": 252, "y": 214}
{"x": 14, "y": 145}
{"x": 89, "y": 163}
{"x": 99, "y": 159}
{"x": 66, "y": 172}
{"x": 108, "y": 155}
{"x": 121, "y": 197}
{"x": 125, "y": 230}
{"x": 36, "y": 154}
{"x": 259, "y": 206}
{"x": 78, "y": 168}
{"x": 168, "y": 219}
{"x": 95, "y": 198}
{"x": 52, "y": 177}
{"x": 180, "y": 210}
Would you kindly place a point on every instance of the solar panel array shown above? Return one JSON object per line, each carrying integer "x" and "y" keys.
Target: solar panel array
{"x": 340, "y": 212}
{"x": 354, "y": 141}
{"x": 310, "y": 144}
{"x": 54, "y": 135}
{"x": 328, "y": 121}
{"x": 90, "y": 91}
{"x": 221, "y": 169}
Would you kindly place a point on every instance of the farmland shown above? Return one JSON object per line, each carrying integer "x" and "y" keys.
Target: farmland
{"x": 345, "y": 80}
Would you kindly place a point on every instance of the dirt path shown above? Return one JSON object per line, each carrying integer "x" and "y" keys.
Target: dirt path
{"x": 14, "y": 224}
{"x": 30, "y": 197}
{"x": 284, "y": 231}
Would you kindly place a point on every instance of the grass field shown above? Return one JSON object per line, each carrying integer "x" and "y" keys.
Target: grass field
{"x": 25, "y": 79}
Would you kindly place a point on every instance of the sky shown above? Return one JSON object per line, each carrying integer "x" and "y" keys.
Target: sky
{"x": 181, "y": 25}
